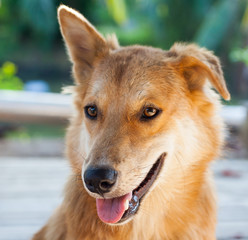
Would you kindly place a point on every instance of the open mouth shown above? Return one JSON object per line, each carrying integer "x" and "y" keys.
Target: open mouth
{"x": 120, "y": 209}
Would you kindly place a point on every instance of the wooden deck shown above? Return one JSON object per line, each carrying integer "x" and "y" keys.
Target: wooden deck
{"x": 31, "y": 188}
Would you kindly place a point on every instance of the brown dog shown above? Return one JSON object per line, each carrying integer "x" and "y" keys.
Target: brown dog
{"x": 145, "y": 130}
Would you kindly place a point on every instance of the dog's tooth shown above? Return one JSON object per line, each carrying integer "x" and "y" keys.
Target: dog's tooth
{"x": 126, "y": 204}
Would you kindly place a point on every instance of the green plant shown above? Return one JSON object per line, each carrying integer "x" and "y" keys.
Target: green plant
{"x": 117, "y": 9}
{"x": 8, "y": 78}
{"x": 217, "y": 23}
{"x": 240, "y": 55}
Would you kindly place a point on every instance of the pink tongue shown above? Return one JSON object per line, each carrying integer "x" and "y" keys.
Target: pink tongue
{"x": 111, "y": 210}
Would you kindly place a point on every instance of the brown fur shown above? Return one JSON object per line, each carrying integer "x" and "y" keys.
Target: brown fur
{"x": 120, "y": 80}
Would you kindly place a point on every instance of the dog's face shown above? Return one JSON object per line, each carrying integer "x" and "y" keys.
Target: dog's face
{"x": 136, "y": 109}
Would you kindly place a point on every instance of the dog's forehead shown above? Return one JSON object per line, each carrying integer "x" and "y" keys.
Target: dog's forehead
{"x": 134, "y": 70}
{"x": 132, "y": 63}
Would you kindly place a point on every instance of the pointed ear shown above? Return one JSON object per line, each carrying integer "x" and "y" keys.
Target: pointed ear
{"x": 197, "y": 65}
{"x": 85, "y": 45}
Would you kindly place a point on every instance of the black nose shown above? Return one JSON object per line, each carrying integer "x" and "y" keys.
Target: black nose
{"x": 100, "y": 179}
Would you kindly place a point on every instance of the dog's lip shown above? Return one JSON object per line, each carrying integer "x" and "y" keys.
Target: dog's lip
{"x": 139, "y": 192}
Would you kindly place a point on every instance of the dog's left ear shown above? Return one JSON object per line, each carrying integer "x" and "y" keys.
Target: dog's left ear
{"x": 84, "y": 43}
{"x": 197, "y": 65}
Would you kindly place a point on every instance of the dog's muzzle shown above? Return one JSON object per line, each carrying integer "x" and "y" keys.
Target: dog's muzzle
{"x": 117, "y": 210}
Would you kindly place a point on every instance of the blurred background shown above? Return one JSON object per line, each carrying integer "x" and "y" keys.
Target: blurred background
{"x": 34, "y": 67}
{"x": 33, "y": 56}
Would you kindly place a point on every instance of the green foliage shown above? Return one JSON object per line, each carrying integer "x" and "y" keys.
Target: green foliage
{"x": 29, "y": 131}
{"x": 29, "y": 31}
{"x": 117, "y": 9}
{"x": 244, "y": 22}
{"x": 8, "y": 78}
{"x": 216, "y": 24}
{"x": 39, "y": 15}
{"x": 204, "y": 21}
{"x": 240, "y": 55}
{"x": 26, "y": 21}
{"x": 9, "y": 28}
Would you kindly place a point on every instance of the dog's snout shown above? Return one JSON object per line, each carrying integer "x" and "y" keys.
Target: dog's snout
{"x": 100, "y": 179}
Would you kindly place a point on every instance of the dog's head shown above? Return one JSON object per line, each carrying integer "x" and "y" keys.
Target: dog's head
{"x": 141, "y": 114}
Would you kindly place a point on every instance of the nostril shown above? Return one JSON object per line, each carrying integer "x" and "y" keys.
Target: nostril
{"x": 105, "y": 185}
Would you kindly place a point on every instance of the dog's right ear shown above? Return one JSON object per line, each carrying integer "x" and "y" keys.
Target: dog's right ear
{"x": 198, "y": 64}
{"x": 85, "y": 45}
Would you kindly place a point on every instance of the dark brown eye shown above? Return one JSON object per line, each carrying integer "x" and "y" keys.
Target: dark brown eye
{"x": 149, "y": 113}
{"x": 90, "y": 112}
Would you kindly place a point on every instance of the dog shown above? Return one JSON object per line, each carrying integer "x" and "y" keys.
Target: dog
{"x": 145, "y": 129}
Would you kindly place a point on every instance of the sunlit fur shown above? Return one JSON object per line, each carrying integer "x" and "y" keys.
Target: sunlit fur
{"x": 121, "y": 81}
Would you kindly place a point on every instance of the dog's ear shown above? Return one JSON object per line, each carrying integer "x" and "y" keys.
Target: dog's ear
{"x": 198, "y": 64}
{"x": 85, "y": 45}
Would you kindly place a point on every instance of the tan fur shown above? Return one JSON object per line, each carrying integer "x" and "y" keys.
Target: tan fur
{"x": 120, "y": 80}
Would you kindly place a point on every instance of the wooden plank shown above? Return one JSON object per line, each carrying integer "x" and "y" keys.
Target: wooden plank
{"x": 232, "y": 230}
{"x": 42, "y": 147}
{"x": 18, "y": 232}
{"x": 19, "y": 106}
{"x": 30, "y": 190}
{"x": 234, "y": 115}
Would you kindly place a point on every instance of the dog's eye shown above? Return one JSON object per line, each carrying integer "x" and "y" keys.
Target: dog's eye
{"x": 149, "y": 113}
{"x": 91, "y": 112}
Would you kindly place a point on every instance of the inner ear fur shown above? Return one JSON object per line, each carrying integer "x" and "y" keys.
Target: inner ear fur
{"x": 84, "y": 43}
{"x": 197, "y": 65}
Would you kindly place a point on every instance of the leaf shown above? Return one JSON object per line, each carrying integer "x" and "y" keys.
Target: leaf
{"x": 117, "y": 9}
{"x": 9, "y": 69}
{"x": 240, "y": 55}
{"x": 8, "y": 80}
{"x": 244, "y": 22}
